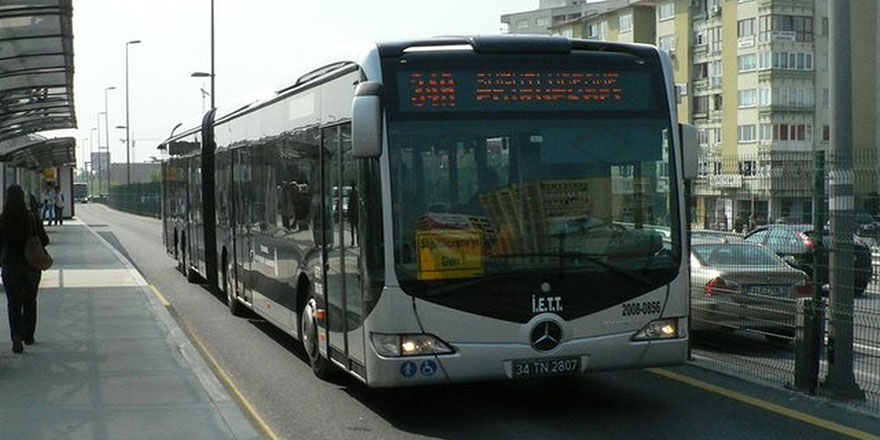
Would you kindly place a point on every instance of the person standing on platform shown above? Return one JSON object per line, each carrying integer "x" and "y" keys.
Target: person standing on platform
{"x": 58, "y": 204}
{"x": 48, "y": 204}
{"x": 17, "y": 225}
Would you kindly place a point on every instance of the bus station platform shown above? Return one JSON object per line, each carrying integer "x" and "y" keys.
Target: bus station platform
{"x": 109, "y": 361}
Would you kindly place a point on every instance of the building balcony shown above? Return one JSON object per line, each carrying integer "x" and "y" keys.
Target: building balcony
{"x": 766, "y": 111}
{"x": 784, "y": 74}
{"x": 770, "y": 4}
{"x": 701, "y": 51}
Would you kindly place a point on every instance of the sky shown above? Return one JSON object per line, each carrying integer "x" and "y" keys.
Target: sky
{"x": 260, "y": 46}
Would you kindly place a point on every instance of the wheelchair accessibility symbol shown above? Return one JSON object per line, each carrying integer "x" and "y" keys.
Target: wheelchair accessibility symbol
{"x": 428, "y": 368}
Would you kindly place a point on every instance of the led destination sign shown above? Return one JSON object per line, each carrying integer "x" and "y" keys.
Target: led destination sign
{"x": 524, "y": 90}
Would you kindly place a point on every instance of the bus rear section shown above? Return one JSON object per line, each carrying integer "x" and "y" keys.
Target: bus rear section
{"x": 535, "y": 215}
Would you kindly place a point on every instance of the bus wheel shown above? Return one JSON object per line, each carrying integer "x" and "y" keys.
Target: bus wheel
{"x": 235, "y": 307}
{"x": 191, "y": 275}
{"x": 308, "y": 334}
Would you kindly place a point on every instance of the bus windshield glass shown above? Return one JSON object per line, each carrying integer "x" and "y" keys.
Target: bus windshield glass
{"x": 524, "y": 165}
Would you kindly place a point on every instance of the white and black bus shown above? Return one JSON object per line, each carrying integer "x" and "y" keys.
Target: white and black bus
{"x": 449, "y": 210}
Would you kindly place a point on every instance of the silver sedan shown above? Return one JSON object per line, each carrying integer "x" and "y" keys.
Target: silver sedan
{"x": 744, "y": 286}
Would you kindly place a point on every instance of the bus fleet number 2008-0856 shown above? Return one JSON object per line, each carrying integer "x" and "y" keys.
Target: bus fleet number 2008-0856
{"x": 642, "y": 308}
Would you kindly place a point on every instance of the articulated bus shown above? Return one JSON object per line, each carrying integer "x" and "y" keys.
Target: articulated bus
{"x": 449, "y": 210}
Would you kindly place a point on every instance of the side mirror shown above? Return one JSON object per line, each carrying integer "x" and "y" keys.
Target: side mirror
{"x": 366, "y": 115}
{"x": 690, "y": 150}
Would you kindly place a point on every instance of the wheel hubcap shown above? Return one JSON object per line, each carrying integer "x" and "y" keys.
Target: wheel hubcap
{"x": 309, "y": 333}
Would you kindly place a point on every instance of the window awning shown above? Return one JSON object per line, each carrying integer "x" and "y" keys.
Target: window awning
{"x": 36, "y": 67}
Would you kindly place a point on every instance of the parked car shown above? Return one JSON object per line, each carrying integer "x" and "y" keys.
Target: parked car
{"x": 709, "y": 235}
{"x": 797, "y": 244}
{"x": 744, "y": 286}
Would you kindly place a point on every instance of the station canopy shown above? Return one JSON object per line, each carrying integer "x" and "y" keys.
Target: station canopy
{"x": 36, "y": 74}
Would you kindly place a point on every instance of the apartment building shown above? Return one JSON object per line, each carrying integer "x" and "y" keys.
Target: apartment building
{"x": 754, "y": 77}
{"x": 552, "y": 13}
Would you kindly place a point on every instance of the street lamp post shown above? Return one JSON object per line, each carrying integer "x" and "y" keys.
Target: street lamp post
{"x": 91, "y": 149}
{"x": 106, "y": 135}
{"x": 212, "y": 74}
{"x": 127, "y": 123}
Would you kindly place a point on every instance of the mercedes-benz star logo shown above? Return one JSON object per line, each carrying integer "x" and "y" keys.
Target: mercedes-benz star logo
{"x": 546, "y": 336}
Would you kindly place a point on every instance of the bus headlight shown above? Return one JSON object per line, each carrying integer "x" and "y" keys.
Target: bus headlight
{"x": 659, "y": 329}
{"x": 408, "y": 345}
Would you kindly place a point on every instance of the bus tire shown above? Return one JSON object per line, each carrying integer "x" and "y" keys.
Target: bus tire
{"x": 236, "y": 308}
{"x": 191, "y": 275}
{"x": 308, "y": 335}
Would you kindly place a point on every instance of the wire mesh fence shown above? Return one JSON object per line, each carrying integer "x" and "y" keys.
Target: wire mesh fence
{"x": 770, "y": 229}
{"x": 138, "y": 198}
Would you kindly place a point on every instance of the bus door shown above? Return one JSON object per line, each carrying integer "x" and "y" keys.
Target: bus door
{"x": 194, "y": 228}
{"x": 345, "y": 307}
{"x": 242, "y": 193}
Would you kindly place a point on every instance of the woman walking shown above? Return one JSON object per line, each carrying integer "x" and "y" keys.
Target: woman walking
{"x": 17, "y": 224}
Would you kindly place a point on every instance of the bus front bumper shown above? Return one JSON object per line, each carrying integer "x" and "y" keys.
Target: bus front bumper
{"x": 485, "y": 362}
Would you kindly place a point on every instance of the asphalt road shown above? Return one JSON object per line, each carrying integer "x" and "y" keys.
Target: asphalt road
{"x": 270, "y": 371}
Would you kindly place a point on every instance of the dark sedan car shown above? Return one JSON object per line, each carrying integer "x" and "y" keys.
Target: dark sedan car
{"x": 799, "y": 241}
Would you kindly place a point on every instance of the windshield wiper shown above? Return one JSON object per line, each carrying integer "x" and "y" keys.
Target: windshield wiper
{"x": 596, "y": 259}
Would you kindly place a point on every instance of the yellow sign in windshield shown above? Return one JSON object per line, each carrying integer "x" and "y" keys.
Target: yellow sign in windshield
{"x": 450, "y": 253}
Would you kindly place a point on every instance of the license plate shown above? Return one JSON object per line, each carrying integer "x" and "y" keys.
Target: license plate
{"x": 546, "y": 367}
{"x": 767, "y": 290}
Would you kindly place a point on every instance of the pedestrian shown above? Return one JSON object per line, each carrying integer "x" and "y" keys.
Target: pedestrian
{"x": 17, "y": 225}
{"x": 48, "y": 212}
{"x": 58, "y": 205}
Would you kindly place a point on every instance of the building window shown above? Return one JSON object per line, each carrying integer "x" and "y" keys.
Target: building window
{"x": 716, "y": 136}
{"x": 703, "y": 136}
{"x": 543, "y": 21}
{"x": 716, "y": 73}
{"x": 765, "y": 97}
{"x": 766, "y": 133}
{"x": 746, "y": 63}
{"x": 745, "y": 28}
{"x": 745, "y": 133}
{"x": 522, "y": 24}
{"x": 826, "y": 133}
{"x": 715, "y": 33}
{"x": 719, "y": 103}
{"x": 567, "y": 32}
{"x": 824, "y": 26}
{"x": 666, "y": 11}
{"x": 793, "y": 61}
{"x": 603, "y": 30}
{"x": 765, "y": 60}
{"x": 793, "y": 28}
{"x": 667, "y": 43}
{"x": 747, "y": 167}
{"x": 593, "y": 31}
{"x": 746, "y": 98}
{"x": 826, "y": 99}
{"x": 701, "y": 37}
{"x": 625, "y": 22}
{"x": 765, "y": 27}
{"x": 701, "y": 71}
{"x": 701, "y": 104}
{"x": 792, "y": 132}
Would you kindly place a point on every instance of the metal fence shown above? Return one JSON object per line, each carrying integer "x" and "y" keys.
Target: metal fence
{"x": 138, "y": 198}
{"x": 751, "y": 315}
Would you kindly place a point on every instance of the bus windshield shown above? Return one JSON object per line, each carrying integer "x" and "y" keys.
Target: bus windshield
{"x": 571, "y": 183}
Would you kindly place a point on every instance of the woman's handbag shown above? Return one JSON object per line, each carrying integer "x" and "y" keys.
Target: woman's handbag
{"x": 35, "y": 254}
